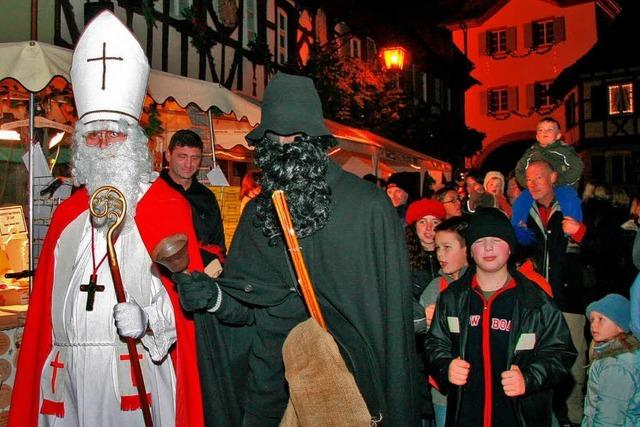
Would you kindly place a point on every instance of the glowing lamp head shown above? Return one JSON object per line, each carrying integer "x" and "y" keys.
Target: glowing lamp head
{"x": 393, "y": 58}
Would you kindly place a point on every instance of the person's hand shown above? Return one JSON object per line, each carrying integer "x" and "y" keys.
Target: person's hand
{"x": 131, "y": 320}
{"x": 570, "y": 226}
{"x": 197, "y": 290}
{"x": 459, "y": 371}
{"x": 513, "y": 382}
{"x": 213, "y": 269}
{"x": 429, "y": 311}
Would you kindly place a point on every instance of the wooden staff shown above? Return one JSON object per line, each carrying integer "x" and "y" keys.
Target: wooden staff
{"x": 109, "y": 202}
{"x": 309, "y": 295}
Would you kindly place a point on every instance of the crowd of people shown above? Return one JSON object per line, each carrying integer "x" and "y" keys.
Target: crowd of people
{"x": 574, "y": 253}
{"x": 466, "y": 306}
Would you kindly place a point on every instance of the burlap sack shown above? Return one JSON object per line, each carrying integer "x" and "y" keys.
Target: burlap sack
{"x": 322, "y": 390}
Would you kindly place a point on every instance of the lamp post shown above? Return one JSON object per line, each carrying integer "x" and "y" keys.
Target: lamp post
{"x": 394, "y": 59}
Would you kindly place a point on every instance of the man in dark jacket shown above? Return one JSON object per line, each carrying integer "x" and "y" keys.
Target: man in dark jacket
{"x": 554, "y": 239}
{"x": 356, "y": 256}
{"x": 184, "y": 157}
{"x": 497, "y": 345}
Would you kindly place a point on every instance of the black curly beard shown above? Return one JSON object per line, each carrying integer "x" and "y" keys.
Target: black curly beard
{"x": 299, "y": 169}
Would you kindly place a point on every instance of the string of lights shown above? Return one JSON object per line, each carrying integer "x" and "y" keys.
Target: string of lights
{"x": 539, "y": 50}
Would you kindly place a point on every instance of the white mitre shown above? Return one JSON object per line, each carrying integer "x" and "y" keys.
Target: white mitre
{"x": 109, "y": 72}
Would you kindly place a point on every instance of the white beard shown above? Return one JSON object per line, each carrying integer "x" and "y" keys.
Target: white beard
{"x": 125, "y": 165}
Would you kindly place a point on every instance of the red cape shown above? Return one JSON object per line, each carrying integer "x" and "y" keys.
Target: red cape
{"x": 160, "y": 213}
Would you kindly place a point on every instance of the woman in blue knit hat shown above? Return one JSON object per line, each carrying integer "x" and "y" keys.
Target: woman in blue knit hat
{"x": 613, "y": 389}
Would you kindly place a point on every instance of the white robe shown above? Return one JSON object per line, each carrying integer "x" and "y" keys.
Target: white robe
{"x": 94, "y": 377}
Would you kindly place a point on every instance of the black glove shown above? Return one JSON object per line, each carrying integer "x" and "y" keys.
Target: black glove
{"x": 197, "y": 290}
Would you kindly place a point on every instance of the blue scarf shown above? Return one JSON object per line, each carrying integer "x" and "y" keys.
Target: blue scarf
{"x": 565, "y": 195}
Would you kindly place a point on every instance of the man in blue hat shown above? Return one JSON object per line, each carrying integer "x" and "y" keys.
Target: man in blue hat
{"x": 356, "y": 256}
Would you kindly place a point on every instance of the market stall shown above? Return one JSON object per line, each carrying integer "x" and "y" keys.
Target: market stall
{"x": 36, "y": 104}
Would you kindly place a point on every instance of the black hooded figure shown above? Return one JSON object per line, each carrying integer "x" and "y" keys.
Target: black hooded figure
{"x": 355, "y": 252}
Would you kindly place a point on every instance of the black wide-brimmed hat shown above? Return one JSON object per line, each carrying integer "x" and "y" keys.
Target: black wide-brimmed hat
{"x": 290, "y": 105}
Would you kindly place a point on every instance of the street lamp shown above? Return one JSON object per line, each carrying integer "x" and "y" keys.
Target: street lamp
{"x": 394, "y": 57}
{"x": 394, "y": 61}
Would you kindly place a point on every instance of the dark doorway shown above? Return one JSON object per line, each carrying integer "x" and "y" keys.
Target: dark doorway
{"x": 504, "y": 158}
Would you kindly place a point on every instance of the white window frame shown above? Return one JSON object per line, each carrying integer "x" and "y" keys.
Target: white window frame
{"x": 502, "y": 101}
{"x": 548, "y": 100}
{"x": 282, "y": 37}
{"x": 176, "y": 6}
{"x": 613, "y": 97}
{"x": 548, "y": 32}
{"x": 249, "y": 28}
{"x": 501, "y": 41}
{"x": 374, "y": 54}
{"x": 355, "y": 48}
{"x": 425, "y": 88}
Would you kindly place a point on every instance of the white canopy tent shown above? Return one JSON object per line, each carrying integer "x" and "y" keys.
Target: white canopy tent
{"x": 359, "y": 151}
{"x": 34, "y": 65}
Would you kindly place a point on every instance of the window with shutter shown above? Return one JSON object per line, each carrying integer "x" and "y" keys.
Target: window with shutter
{"x": 177, "y": 6}
{"x": 437, "y": 91}
{"x": 558, "y": 30}
{"x": 598, "y": 102}
{"x": 354, "y": 47}
{"x": 282, "y": 38}
{"x": 542, "y": 97}
{"x": 543, "y": 32}
{"x": 371, "y": 49}
{"x": 498, "y": 101}
{"x": 570, "y": 109}
{"x": 342, "y": 31}
{"x": 512, "y": 98}
{"x": 528, "y": 35}
{"x": 482, "y": 43}
{"x": 250, "y": 27}
{"x": 484, "y": 103}
{"x": 420, "y": 79}
{"x": 322, "y": 33}
{"x": 511, "y": 41}
{"x": 620, "y": 99}
{"x": 496, "y": 42}
{"x": 425, "y": 87}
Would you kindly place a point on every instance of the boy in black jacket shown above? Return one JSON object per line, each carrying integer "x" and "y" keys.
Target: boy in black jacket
{"x": 497, "y": 343}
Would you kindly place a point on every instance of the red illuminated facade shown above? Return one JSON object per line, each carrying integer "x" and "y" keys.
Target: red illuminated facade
{"x": 518, "y": 48}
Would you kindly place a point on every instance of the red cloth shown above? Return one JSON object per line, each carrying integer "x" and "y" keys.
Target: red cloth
{"x": 528, "y": 270}
{"x": 544, "y": 217}
{"x": 579, "y": 235}
{"x": 153, "y": 224}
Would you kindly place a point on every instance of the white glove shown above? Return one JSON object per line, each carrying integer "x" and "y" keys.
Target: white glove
{"x": 131, "y": 319}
